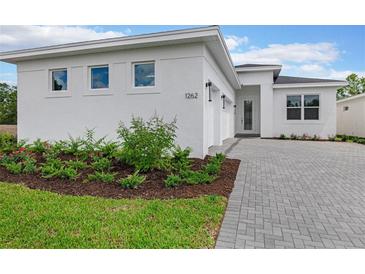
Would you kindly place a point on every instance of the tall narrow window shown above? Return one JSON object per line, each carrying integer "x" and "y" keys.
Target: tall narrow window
{"x": 247, "y": 109}
{"x": 311, "y": 107}
{"x": 59, "y": 79}
{"x": 144, "y": 74}
{"x": 293, "y": 107}
{"x": 99, "y": 77}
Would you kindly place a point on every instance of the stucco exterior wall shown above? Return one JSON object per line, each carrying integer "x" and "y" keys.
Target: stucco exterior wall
{"x": 50, "y": 116}
{"x": 265, "y": 80}
{"x": 352, "y": 121}
{"x": 324, "y": 127}
{"x": 218, "y": 122}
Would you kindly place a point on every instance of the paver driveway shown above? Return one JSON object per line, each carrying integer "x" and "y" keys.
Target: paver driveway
{"x": 295, "y": 194}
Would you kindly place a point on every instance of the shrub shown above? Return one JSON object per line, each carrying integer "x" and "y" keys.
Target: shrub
{"x": 197, "y": 177}
{"x": 132, "y": 181}
{"x": 293, "y": 136}
{"x": 7, "y": 142}
{"x": 108, "y": 149}
{"x": 180, "y": 161}
{"x": 283, "y": 137}
{"x": 101, "y": 164}
{"x": 39, "y": 146}
{"x": 305, "y": 137}
{"x": 146, "y": 144}
{"x": 332, "y": 138}
{"x": 67, "y": 173}
{"x": 13, "y": 167}
{"x": 315, "y": 137}
{"x": 51, "y": 168}
{"x": 173, "y": 181}
{"x": 219, "y": 157}
{"x": 29, "y": 166}
{"x": 361, "y": 141}
{"x": 212, "y": 168}
{"x": 76, "y": 164}
{"x": 105, "y": 177}
{"x": 344, "y": 138}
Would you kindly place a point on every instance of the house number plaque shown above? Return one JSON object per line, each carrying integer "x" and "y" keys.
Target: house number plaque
{"x": 191, "y": 95}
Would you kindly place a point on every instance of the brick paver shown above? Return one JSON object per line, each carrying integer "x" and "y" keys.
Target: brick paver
{"x": 295, "y": 194}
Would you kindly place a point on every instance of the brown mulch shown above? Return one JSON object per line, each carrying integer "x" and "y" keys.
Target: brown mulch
{"x": 152, "y": 188}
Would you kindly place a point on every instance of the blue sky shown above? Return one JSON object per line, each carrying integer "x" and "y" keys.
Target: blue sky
{"x": 309, "y": 51}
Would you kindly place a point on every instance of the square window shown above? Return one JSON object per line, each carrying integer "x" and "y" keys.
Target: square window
{"x": 293, "y": 113}
{"x": 59, "y": 80}
{"x": 311, "y": 100}
{"x": 294, "y": 101}
{"x": 311, "y": 113}
{"x": 99, "y": 77}
{"x": 144, "y": 75}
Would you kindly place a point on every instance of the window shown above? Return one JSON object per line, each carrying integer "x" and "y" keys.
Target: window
{"x": 293, "y": 107}
{"x": 345, "y": 108}
{"x": 144, "y": 74}
{"x": 302, "y": 105}
{"x": 311, "y": 107}
{"x": 99, "y": 77}
{"x": 59, "y": 80}
{"x": 247, "y": 108}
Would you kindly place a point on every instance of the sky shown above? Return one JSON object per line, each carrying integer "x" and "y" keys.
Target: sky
{"x": 308, "y": 51}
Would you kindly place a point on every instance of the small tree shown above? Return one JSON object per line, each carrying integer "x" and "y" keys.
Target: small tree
{"x": 8, "y": 113}
{"x": 356, "y": 85}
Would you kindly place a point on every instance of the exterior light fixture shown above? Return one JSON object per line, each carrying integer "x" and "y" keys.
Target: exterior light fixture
{"x": 209, "y": 85}
{"x": 224, "y": 101}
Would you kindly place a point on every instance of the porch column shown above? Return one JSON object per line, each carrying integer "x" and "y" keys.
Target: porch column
{"x": 267, "y": 110}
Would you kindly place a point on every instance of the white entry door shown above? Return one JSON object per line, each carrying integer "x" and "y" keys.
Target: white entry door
{"x": 248, "y": 115}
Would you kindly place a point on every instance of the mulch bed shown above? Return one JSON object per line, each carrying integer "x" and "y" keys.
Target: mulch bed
{"x": 152, "y": 188}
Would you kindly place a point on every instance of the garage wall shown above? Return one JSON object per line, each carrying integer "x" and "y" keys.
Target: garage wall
{"x": 179, "y": 69}
{"x": 217, "y": 121}
{"x": 324, "y": 127}
{"x": 352, "y": 120}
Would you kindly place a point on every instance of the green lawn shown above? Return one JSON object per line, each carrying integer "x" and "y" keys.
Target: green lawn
{"x": 39, "y": 219}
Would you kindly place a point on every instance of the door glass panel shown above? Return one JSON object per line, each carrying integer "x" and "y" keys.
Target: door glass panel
{"x": 247, "y": 115}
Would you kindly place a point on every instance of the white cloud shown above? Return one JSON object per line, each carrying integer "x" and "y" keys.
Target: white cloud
{"x": 293, "y": 53}
{"x": 342, "y": 74}
{"x": 234, "y": 42}
{"x": 20, "y": 37}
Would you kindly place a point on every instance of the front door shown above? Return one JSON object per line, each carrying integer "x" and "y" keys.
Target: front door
{"x": 248, "y": 114}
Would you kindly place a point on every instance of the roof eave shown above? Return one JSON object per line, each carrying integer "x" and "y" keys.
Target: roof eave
{"x": 307, "y": 85}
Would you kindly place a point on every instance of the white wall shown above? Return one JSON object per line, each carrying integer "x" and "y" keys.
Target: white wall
{"x": 265, "y": 80}
{"x": 352, "y": 121}
{"x": 324, "y": 127}
{"x": 179, "y": 69}
{"x": 216, "y": 119}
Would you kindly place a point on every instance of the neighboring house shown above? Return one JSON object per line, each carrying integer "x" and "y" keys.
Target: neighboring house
{"x": 351, "y": 116}
{"x": 187, "y": 74}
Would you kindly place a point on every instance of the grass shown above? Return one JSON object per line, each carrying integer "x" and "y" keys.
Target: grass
{"x": 40, "y": 219}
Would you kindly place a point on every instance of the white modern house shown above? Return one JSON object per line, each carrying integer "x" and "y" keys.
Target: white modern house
{"x": 187, "y": 74}
{"x": 351, "y": 116}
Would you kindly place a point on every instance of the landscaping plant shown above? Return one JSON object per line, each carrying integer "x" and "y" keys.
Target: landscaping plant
{"x": 133, "y": 180}
{"x": 147, "y": 144}
{"x": 101, "y": 176}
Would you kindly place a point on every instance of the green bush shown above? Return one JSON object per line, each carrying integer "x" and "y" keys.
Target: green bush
{"x": 67, "y": 173}
{"x": 212, "y": 168}
{"x": 51, "y": 168}
{"x": 76, "y": 164}
{"x": 332, "y": 138}
{"x": 315, "y": 137}
{"x": 8, "y": 104}
{"x": 180, "y": 161}
{"x": 8, "y": 143}
{"x": 283, "y": 137}
{"x": 105, "y": 177}
{"x": 101, "y": 164}
{"x": 39, "y": 146}
{"x": 294, "y": 136}
{"x": 132, "y": 181}
{"x": 173, "y": 181}
{"x": 361, "y": 141}
{"x": 147, "y": 144}
{"x": 197, "y": 177}
{"x": 13, "y": 167}
{"x": 108, "y": 149}
{"x": 29, "y": 166}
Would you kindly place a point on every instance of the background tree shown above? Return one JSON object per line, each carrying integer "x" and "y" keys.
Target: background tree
{"x": 8, "y": 112}
{"x": 356, "y": 86}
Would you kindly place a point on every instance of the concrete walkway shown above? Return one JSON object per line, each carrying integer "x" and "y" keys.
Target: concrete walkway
{"x": 295, "y": 194}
